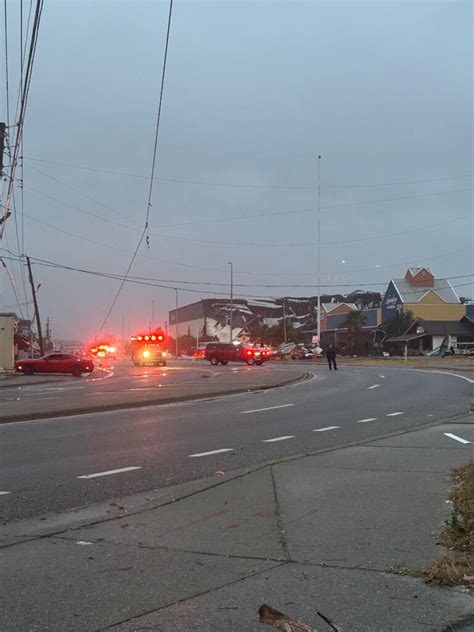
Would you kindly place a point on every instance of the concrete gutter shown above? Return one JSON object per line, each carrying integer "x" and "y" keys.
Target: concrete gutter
{"x": 101, "y": 408}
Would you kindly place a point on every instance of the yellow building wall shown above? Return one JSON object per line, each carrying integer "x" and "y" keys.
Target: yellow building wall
{"x": 431, "y": 299}
{"x": 436, "y": 311}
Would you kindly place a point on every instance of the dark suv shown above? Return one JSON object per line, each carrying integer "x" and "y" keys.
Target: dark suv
{"x": 222, "y": 353}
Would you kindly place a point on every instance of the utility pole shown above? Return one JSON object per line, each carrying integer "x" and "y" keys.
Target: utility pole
{"x": 37, "y": 314}
{"x": 153, "y": 315}
{"x": 284, "y": 321}
{"x": 176, "y": 321}
{"x": 231, "y": 296}
{"x": 123, "y": 328}
{"x": 319, "y": 253}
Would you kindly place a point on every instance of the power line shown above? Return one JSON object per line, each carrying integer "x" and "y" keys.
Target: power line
{"x": 153, "y": 165}
{"x": 245, "y": 185}
{"x": 139, "y": 281}
{"x": 23, "y": 104}
{"x": 115, "y": 276}
{"x": 79, "y": 192}
{"x": 312, "y": 243}
{"x": 81, "y": 210}
{"x": 247, "y": 243}
{"x": 14, "y": 286}
{"x": 241, "y": 272}
{"x": 5, "y": 31}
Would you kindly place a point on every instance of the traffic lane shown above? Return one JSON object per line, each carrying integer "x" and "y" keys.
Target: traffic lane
{"x": 75, "y": 401}
{"x": 124, "y": 376}
{"x": 43, "y": 460}
{"x": 128, "y": 379}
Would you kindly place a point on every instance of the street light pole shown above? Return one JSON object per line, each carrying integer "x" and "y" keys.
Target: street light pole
{"x": 153, "y": 315}
{"x": 319, "y": 252}
{"x": 231, "y": 296}
{"x": 176, "y": 321}
{"x": 284, "y": 321}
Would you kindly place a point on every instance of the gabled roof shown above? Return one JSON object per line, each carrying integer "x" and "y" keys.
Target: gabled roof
{"x": 410, "y": 294}
{"x": 329, "y": 307}
{"x": 415, "y": 271}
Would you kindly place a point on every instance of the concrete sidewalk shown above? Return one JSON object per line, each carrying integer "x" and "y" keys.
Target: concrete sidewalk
{"x": 335, "y": 532}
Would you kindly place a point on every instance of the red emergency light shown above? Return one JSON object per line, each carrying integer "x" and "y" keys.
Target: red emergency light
{"x": 147, "y": 338}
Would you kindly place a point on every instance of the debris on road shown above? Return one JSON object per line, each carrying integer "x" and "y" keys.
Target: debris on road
{"x": 280, "y": 621}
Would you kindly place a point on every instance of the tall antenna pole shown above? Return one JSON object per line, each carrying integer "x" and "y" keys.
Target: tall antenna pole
{"x": 319, "y": 252}
{"x": 231, "y": 297}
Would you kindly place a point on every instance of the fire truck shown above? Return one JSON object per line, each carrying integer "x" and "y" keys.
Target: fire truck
{"x": 149, "y": 349}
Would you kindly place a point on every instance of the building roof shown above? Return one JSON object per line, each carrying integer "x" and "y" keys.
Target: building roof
{"x": 329, "y": 307}
{"x": 410, "y": 294}
{"x": 463, "y": 327}
{"x": 415, "y": 271}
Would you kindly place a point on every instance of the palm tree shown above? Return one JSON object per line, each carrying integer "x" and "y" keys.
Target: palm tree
{"x": 353, "y": 323}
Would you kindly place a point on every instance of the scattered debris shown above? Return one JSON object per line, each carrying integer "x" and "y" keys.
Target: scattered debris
{"x": 219, "y": 473}
{"x": 84, "y": 543}
{"x": 280, "y": 621}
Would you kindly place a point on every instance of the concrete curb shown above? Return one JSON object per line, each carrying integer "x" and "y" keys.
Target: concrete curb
{"x": 84, "y": 410}
{"x": 20, "y": 384}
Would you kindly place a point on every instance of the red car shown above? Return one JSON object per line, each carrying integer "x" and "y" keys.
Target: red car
{"x": 55, "y": 363}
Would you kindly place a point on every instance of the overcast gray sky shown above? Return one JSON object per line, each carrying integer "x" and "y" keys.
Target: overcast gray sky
{"x": 254, "y": 92}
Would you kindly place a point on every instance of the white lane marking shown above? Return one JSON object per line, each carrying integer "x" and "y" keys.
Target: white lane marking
{"x": 382, "y": 376}
{"x": 259, "y": 410}
{"x": 191, "y": 456}
{"x": 278, "y": 439}
{"x": 109, "y": 472}
{"x": 328, "y": 428}
{"x": 97, "y": 379}
{"x": 364, "y": 421}
{"x": 456, "y": 438}
{"x": 4, "y": 493}
{"x": 400, "y": 412}
{"x": 462, "y": 377}
{"x": 369, "y": 388}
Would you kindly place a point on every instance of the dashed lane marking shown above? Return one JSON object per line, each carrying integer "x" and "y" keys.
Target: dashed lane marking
{"x": 456, "y": 438}
{"x": 400, "y": 412}
{"x": 364, "y": 421}
{"x": 259, "y": 410}
{"x": 325, "y": 429}
{"x": 278, "y": 439}
{"x": 192, "y": 456}
{"x": 4, "y": 493}
{"x": 382, "y": 376}
{"x": 109, "y": 472}
{"x": 369, "y": 388}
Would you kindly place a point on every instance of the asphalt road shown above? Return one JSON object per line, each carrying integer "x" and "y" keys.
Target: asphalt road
{"x": 54, "y": 465}
{"x": 122, "y": 385}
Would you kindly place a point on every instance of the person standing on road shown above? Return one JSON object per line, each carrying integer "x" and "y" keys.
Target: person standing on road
{"x": 331, "y": 357}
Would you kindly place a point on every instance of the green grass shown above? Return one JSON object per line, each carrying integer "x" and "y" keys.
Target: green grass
{"x": 458, "y": 533}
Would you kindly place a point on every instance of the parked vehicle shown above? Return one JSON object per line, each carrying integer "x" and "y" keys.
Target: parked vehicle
{"x": 55, "y": 363}
{"x": 222, "y": 353}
